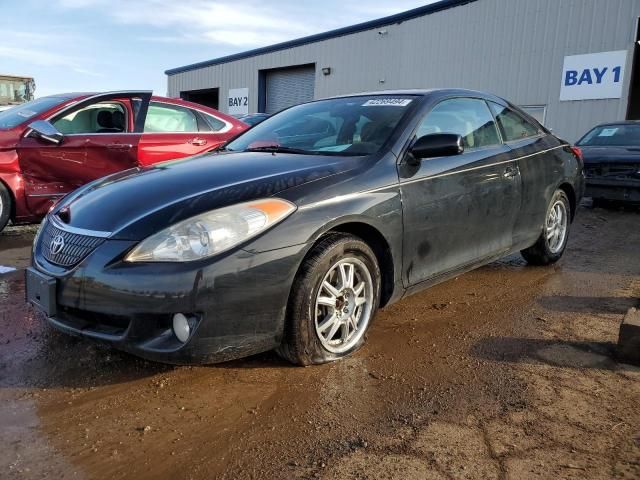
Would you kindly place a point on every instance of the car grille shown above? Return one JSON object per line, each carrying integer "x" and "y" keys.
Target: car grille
{"x": 113, "y": 325}
{"x": 615, "y": 171}
{"x": 76, "y": 247}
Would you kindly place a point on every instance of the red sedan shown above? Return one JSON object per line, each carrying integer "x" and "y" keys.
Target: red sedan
{"x": 53, "y": 145}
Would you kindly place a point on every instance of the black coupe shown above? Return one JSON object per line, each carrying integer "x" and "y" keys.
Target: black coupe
{"x": 292, "y": 236}
{"x": 612, "y": 162}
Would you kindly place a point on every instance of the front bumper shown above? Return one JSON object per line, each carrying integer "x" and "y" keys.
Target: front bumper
{"x": 613, "y": 189}
{"x": 238, "y": 299}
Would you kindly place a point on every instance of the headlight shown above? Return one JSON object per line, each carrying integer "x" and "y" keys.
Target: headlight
{"x": 211, "y": 233}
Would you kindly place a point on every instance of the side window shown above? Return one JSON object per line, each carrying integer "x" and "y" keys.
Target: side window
{"x": 215, "y": 124}
{"x": 165, "y": 118}
{"x": 104, "y": 117}
{"x": 512, "y": 125}
{"x": 468, "y": 117}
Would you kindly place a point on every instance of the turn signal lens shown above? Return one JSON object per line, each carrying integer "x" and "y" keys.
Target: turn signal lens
{"x": 212, "y": 233}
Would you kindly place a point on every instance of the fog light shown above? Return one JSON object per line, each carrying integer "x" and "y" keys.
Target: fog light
{"x": 181, "y": 327}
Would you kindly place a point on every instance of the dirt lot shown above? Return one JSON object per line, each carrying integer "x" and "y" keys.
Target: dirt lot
{"x": 505, "y": 372}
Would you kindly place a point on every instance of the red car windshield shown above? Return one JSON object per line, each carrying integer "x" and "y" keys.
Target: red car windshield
{"x": 21, "y": 113}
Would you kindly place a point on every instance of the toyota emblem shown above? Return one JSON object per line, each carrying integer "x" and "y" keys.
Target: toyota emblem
{"x": 56, "y": 245}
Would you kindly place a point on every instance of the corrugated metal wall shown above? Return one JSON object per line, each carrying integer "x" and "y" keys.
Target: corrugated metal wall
{"x": 513, "y": 48}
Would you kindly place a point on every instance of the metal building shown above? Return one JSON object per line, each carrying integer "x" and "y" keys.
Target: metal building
{"x": 571, "y": 63}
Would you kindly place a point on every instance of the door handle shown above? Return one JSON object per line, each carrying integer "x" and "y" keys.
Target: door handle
{"x": 510, "y": 172}
{"x": 198, "y": 142}
{"x": 119, "y": 146}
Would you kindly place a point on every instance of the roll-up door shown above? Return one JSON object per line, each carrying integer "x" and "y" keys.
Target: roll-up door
{"x": 289, "y": 86}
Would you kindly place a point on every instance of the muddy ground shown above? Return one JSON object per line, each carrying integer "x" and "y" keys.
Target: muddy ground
{"x": 505, "y": 372}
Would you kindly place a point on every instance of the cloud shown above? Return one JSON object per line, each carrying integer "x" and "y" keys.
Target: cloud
{"x": 250, "y": 23}
{"x": 247, "y": 24}
{"x": 34, "y": 48}
{"x": 65, "y": 43}
{"x": 90, "y": 73}
{"x": 37, "y": 57}
{"x": 80, "y": 3}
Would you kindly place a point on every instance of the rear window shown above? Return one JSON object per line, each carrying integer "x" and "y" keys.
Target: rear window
{"x": 166, "y": 118}
{"x": 215, "y": 124}
{"x": 27, "y": 111}
{"x": 512, "y": 125}
{"x": 612, "y": 135}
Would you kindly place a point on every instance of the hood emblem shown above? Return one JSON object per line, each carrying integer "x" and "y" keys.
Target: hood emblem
{"x": 56, "y": 245}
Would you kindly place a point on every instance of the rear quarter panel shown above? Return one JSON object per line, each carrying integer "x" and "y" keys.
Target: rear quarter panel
{"x": 546, "y": 163}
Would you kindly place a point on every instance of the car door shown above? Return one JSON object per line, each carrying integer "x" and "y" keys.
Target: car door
{"x": 174, "y": 131}
{"x": 461, "y": 209}
{"x": 99, "y": 136}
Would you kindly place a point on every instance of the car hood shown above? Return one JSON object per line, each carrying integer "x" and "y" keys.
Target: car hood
{"x": 139, "y": 202}
{"x": 610, "y": 154}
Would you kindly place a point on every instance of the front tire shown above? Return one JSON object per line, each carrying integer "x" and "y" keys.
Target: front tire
{"x": 6, "y": 205}
{"x": 334, "y": 298}
{"x": 553, "y": 239}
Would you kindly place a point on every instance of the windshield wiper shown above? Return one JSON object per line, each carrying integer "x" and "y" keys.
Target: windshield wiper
{"x": 279, "y": 149}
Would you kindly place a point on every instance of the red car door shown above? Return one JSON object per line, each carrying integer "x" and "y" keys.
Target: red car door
{"x": 175, "y": 130}
{"x": 100, "y": 135}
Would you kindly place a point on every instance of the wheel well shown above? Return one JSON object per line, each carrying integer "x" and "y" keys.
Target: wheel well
{"x": 571, "y": 194}
{"x": 376, "y": 241}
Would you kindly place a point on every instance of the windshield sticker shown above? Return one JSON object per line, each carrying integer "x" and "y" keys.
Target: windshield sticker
{"x": 608, "y": 132}
{"x": 387, "y": 102}
{"x": 26, "y": 113}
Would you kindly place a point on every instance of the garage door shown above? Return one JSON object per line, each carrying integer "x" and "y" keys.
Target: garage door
{"x": 288, "y": 87}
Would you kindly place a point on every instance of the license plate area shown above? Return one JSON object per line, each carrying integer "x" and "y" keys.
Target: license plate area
{"x": 41, "y": 291}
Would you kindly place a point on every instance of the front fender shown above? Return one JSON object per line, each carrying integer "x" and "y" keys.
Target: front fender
{"x": 380, "y": 210}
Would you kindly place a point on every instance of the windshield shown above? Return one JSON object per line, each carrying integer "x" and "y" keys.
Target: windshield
{"x": 613, "y": 135}
{"x": 351, "y": 126}
{"x": 21, "y": 113}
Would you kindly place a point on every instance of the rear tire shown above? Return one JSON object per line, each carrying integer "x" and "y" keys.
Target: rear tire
{"x": 334, "y": 298}
{"x": 6, "y": 206}
{"x": 552, "y": 242}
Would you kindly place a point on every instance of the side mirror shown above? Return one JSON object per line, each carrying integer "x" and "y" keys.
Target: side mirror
{"x": 437, "y": 145}
{"x": 46, "y": 131}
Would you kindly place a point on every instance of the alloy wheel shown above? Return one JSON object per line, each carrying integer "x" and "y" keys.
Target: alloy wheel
{"x": 343, "y": 305}
{"x": 556, "y": 228}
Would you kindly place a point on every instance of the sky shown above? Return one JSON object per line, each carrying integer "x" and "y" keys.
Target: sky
{"x": 99, "y": 45}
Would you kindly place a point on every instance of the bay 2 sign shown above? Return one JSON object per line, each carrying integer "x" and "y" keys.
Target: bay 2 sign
{"x": 238, "y": 101}
{"x": 593, "y": 76}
